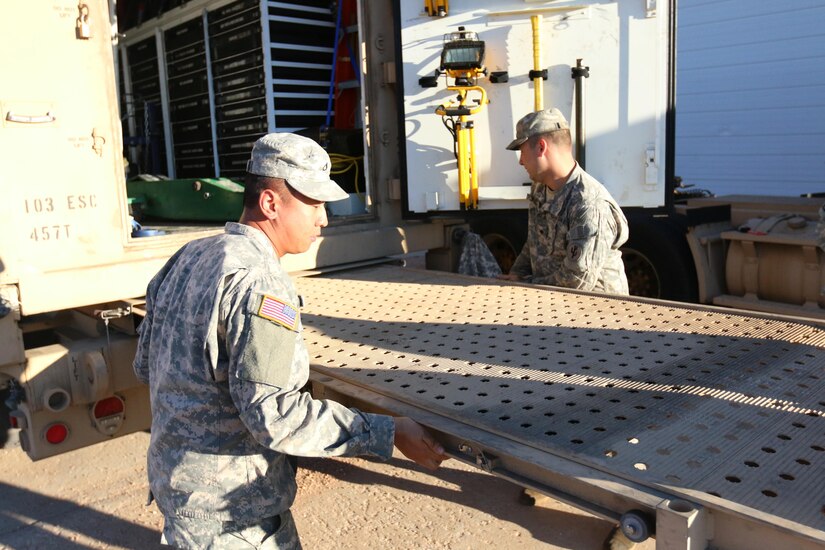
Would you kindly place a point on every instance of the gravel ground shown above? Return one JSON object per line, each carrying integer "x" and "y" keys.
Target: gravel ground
{"x": 94, "y": 498}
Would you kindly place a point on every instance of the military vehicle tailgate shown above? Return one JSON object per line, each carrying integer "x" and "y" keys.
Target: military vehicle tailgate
{"x": 709, "y": 422}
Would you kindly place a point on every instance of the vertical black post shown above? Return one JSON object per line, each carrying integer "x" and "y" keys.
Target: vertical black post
{"x": 579, "y": 74}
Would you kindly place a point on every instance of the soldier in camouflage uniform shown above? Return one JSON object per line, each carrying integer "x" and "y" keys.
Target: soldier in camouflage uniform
{"x": 575, "y": 227}
{"x": 222, "y": 352}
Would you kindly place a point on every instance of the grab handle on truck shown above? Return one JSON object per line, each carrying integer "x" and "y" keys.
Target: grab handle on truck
{"x": 27, "y": 119}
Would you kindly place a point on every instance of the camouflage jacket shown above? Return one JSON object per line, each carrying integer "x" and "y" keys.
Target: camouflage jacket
{"x": 222, "y": 351}
{"x": 573, "y": 237}
{"x": 476, "y": 258}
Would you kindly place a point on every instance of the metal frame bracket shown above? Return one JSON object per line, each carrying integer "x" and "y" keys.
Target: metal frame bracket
{"x": 681, "y": 525}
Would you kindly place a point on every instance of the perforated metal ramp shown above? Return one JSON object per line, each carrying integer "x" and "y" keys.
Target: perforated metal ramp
{"x": 724, "y": 409}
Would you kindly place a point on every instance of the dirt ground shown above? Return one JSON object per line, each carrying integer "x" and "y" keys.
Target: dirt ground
{"x": 95, "y": 498}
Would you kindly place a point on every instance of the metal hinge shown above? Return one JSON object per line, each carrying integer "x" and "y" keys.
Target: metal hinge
{"x": 650, "y": 8}
{"x": 388, "y": 70}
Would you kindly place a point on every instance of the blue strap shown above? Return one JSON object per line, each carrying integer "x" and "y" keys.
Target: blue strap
{"x": 334, "y": 62}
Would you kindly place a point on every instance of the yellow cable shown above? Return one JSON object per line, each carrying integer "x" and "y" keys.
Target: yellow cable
{"x": 344, "y": 163}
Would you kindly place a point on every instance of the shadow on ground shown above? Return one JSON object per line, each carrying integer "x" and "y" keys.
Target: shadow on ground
{"x": 486, "y": 493}
{"x": 30, "y": 520}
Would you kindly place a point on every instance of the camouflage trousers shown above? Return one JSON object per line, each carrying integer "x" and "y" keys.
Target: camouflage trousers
{"x": 276, "y": 533}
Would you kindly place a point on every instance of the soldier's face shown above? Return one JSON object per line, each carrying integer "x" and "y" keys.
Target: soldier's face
{"x": 299, "y": 221}
{"x": 528, "y": 158}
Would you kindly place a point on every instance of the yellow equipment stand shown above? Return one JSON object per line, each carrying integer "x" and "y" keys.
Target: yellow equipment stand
{"x": 538, "y": 88}
{"x": 465, "y": 140}
{"x": 437, "y": 7}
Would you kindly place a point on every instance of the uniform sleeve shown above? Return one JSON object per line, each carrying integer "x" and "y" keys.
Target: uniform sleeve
{"x": 268, "y": 366}
{"x": 522, "y": 266}
{"x": 141, "y": 362}
{"x": 590, "y": 239}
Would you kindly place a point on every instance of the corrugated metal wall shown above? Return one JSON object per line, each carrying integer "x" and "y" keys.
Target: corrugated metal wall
{"x": 751, "y": 96}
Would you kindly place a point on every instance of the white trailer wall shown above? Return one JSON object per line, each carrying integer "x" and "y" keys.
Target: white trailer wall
{"x": 750, "y": 101}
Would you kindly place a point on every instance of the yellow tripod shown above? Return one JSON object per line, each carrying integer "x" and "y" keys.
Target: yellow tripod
{"x": 463, "y": 132}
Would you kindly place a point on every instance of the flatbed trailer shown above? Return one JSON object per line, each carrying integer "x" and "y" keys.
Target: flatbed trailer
{"x": 700, "y": 426}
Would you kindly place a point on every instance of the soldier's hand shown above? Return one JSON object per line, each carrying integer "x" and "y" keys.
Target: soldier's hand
{"x": 509, "y": 277}
{"x": 417, "y": 444}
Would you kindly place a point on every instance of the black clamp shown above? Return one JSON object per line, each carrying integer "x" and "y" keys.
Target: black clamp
{"x": 578, "y": 72}
{"x": 456, "y": 111}
{"x": 538, "y": 74}
{"x": 430, "y": 81}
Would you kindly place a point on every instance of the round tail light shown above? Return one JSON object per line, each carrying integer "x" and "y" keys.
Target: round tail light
{"x": 108, "y": 415}
{"x": 56, "y": 433}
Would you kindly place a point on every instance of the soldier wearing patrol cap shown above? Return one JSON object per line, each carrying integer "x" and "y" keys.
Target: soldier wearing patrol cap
{"x": 222, "y": 352}
{"x": 575, "y": 228}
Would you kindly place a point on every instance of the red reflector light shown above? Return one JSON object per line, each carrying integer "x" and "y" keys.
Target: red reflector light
{"x": 108, "y": 407}
{"x": 57, "y": 433}
{"x": 13, "y": 421}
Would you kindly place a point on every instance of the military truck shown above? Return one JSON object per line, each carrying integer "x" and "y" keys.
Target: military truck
{"x": 118, "y": 155}
{"x": 191, "y": 108}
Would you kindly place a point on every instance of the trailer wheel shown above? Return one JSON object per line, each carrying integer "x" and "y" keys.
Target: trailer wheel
{"x": 657, "y": 261}
{"x": 504, "y": 237}
{"x": 637, "y": 526}
{"x": 9, "y": 437}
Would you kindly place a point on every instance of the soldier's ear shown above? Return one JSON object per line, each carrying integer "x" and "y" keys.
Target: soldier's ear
{"x": 268, "y": 203}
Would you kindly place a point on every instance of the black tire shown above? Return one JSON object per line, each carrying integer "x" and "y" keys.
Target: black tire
{"x": 505, "y": 236}
{"x": 657, "y": 260}
{"x": 9, "y": 437}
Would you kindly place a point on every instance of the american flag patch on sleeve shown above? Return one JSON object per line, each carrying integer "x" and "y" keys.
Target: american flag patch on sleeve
{"x": 278, "y": 311}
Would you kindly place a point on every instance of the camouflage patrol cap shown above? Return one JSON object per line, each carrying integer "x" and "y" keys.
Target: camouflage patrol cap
{"x": 300, "y": 161}
{"x": 537, "y": 123}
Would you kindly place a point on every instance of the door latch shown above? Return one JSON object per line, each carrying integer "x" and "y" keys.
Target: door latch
{"x": 82, "y": 26}
{"x": 651, "y": 168}
{"x": 97, "y": 142}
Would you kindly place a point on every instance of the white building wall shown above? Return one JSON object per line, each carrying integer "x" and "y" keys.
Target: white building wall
{"x": 750, "y": 102}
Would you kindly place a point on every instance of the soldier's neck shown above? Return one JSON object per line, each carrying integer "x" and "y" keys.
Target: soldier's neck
{"x": 555, "y": 179}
